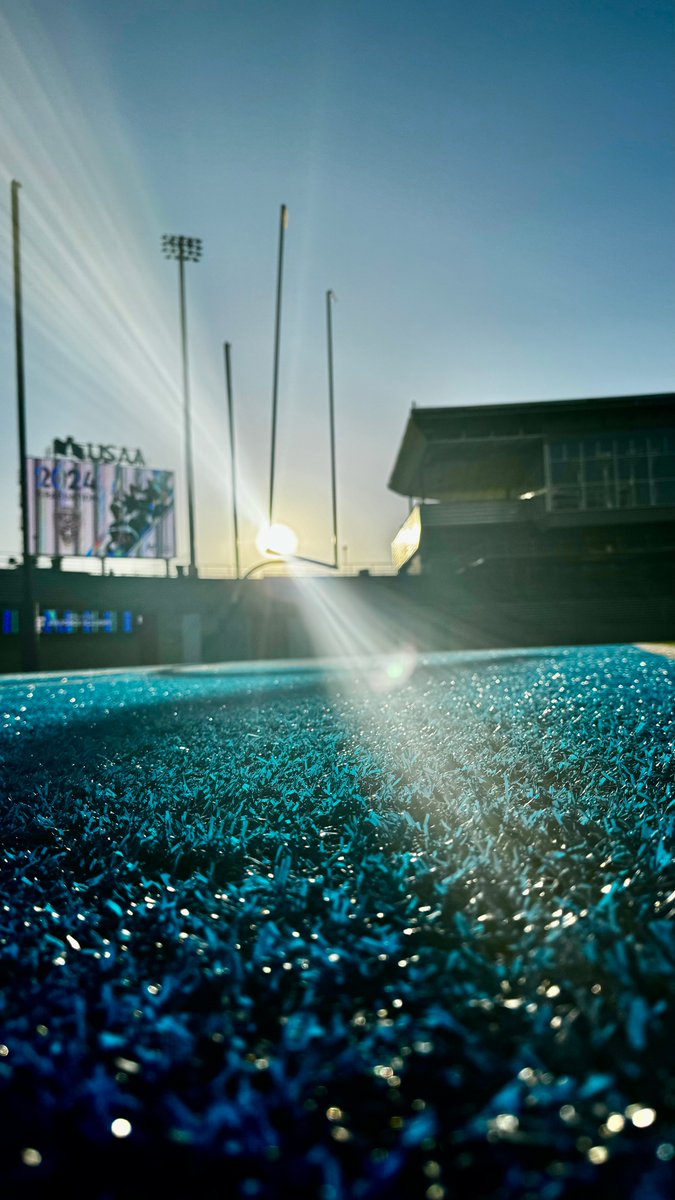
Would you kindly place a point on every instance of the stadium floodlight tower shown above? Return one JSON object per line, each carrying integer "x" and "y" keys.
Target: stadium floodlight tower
{"x": 185, "y": 249}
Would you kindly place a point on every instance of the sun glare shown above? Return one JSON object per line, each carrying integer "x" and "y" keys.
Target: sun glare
{"x": 277, "y": 539}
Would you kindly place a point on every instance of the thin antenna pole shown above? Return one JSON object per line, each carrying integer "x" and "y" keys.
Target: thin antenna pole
{"x": 330, "y": 297}
{"x": 283, "y": 225}
{"x": 235, "y": 524}
{"x": 28, "y": 632}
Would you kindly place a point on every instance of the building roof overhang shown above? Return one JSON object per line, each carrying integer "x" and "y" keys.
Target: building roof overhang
{"x": 467, "y": 443}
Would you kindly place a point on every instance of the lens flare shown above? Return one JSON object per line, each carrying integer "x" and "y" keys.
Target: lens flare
{"x": 344, "y": 626}
{"x": 277, "y": 539}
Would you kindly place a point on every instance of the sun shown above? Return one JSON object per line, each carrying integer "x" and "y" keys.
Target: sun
{"x": 277, "y": 539}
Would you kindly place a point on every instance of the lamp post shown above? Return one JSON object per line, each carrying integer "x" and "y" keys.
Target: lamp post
{"x": 28, "y": 632}
{"x": 185, "y": 249}
{"x": 330, "y": 297}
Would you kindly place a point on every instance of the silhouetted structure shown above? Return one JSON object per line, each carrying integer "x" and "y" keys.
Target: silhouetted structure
{"x": 185, "y": 249}
{"x": 560, "y": 499}
{"x": 531, "y": 525}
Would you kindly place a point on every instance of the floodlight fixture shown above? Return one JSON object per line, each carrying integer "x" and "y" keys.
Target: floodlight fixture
{"x": 185, "y": 249}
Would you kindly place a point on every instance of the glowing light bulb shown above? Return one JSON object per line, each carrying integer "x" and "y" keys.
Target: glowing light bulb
{"x": 277, "y": 539}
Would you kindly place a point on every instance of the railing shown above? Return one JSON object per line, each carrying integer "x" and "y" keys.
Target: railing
{"x": 157, "y": 568}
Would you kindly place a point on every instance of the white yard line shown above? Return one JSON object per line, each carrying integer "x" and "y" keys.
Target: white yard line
{"x": 664, "y": 648}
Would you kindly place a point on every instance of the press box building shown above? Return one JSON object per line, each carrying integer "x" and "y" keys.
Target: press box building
{"x": 552, "y": 499}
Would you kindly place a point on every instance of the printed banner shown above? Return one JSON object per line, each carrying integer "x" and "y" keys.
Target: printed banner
{"x": 100, "y": 509}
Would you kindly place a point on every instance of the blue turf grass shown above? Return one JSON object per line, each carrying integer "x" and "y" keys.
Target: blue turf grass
{"x": 341, "y": 933}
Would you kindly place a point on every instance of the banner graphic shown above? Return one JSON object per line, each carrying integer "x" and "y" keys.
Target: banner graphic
{"x": 100, "y": 509}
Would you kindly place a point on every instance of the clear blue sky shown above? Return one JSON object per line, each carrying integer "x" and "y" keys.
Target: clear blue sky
{"x": 488, "y": 187}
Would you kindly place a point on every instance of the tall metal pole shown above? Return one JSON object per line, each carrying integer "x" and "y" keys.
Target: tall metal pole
{"x": 235, "y": 524}
{"x": 330, "y": 297}
{"x": 185, "y": 249}
{"x": 188, "y": 421}
{"x": 27, "y": 629}
{"x": 283, "y": 225}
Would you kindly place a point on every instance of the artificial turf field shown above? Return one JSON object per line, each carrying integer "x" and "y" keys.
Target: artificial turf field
{"x": 359, "y": 931}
